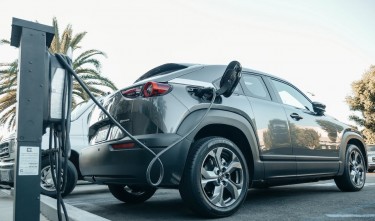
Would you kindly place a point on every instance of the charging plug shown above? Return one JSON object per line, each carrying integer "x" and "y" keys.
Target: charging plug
{"x": 205, "y": 93}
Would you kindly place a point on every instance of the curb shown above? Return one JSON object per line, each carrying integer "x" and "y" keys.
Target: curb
{"x": 48, "y": 209}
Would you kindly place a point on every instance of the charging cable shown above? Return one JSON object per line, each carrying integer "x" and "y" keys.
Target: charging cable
{"x": 63, "y": 61}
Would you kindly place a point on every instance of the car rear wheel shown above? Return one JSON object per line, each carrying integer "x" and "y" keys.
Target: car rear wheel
{"x": 131, "y": 193}
{"x": 215, "y": 180}
{"x": 370, "y": 170}
{"x": 46, "y": 182}
{"x": 354, "y": 176}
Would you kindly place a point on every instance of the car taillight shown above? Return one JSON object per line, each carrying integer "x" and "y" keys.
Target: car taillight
{"x": 151, "y": 89}
{"x": 123, "y": 146}
{"x": 132, "y": 92}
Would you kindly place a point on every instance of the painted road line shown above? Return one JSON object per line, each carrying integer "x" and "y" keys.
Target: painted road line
{"x": 333, "y": 184}
{"x": 350, "y": 215}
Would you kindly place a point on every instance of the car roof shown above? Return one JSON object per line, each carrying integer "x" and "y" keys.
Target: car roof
{"x": 206, "y": 73}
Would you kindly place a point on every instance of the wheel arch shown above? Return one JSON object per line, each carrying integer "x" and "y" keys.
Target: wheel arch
{"x": 74, "y": 158}
{"x": 351, "y": 137}
{"x": 228, "y": 125}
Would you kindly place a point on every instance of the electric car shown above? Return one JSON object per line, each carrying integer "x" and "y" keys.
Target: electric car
{"x": 260, "y": 132}
{"x": 79, "y": 140}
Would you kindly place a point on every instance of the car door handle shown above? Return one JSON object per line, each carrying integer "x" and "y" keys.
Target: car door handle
{"x": 296, "y": 116}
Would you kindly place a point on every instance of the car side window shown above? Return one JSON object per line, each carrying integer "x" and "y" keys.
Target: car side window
{"x": 291, "y": 96}
{"x": 255, "y": 86}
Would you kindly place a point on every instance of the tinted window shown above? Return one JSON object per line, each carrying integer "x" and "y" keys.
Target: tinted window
{"x": 291, "y": 96}
{"x": 256, "y": 87}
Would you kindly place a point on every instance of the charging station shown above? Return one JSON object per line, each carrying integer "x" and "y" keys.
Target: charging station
{"x": 33, "y": 41}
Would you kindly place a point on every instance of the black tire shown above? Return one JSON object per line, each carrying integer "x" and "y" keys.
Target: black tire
{"x": 211, "y": 188}
{"x": 131, "y": 193}
{"x": 370, "y": 170}
{"x": 354, "y": 176}
{"x": 46, "y": 182}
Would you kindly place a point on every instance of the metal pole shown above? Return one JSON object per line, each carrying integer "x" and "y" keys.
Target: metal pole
{"x": 33, "y": 40}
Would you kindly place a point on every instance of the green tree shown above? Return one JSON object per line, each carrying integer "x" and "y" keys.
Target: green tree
{"x": 86, "y": 65}
{"x": 363, "y": 100}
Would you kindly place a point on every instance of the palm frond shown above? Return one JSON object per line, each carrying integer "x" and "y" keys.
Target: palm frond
{"x": 7, "y": 90}
{"x": 5, "y": 117}
{"x": 55, "y": 45}
{"x": 12, "y": 120}
{"x": 9, "y": 119}
{"x": 65, "y": 39}
{"x": 77, "y": 39}
{"x": 91, "y": 61}
{"x": 89, "y": 53}
{"x": 4, "y": 41}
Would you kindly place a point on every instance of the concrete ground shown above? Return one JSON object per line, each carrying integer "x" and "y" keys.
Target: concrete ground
{"x": 47, "y": 209}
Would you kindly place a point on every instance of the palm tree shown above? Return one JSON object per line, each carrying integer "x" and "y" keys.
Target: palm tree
{"x": 86, "y": 65}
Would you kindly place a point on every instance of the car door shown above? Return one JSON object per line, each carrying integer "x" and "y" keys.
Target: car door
{"x": 271, "y": 127}
{"x": 315, "y": 145}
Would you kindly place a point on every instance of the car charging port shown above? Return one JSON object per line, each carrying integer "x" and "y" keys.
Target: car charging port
{"x": 201, "y": 93}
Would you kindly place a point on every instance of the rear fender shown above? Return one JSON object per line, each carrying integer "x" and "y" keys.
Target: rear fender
{"x": 223, "y": 118}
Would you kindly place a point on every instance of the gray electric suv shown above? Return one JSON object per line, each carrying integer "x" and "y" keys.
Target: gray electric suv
{"x": 266, "y": 133}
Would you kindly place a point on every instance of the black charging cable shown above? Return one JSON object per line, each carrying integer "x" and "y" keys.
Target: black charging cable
{"x": 63, "y": 61}
{"x": 57, "y": 171}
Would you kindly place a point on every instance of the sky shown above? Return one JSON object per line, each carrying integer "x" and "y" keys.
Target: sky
{"x": 321, "y": 46}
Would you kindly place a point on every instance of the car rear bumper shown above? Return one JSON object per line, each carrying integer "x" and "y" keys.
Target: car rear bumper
{"x": 7, "y": 173}
{"x": 103, "y": 164}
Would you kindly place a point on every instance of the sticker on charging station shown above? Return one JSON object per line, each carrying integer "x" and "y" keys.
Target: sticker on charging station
{"x": 28, "y": 161}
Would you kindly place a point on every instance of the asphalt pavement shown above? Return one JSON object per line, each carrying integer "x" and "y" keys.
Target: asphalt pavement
{"x": 310, "y": 201}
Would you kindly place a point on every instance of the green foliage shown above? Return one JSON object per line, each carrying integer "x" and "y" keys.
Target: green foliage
{"x": 8, "y": 93}
{"x": 363, "y": 100}
{"x": 86, "y": 64}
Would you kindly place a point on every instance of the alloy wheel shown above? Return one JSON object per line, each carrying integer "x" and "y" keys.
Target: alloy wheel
{"x": 222, "y": 177}
{"x": 356, "y": 168}
{"x": 47, "y": 180}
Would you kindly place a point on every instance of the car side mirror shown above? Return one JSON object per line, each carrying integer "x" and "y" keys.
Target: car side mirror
{"x": 230, "y": 79}
{"x": 319, "y": 108}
